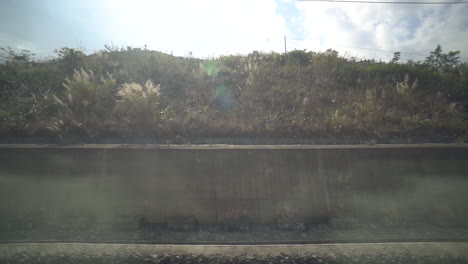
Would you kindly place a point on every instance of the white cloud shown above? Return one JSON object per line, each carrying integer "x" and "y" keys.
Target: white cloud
{"x": 414, "y": 29}
{"x": 206, "y": 27}
{"x": 214, "y": 27}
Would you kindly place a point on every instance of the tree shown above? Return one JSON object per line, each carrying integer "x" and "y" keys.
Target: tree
{"x": 70, "y": 59}
{"x": 396, "y": 57}
{"x": 443, "y": 61}
{"x": 8, "y": 54}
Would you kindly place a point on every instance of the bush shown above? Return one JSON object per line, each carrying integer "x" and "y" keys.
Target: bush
{"x": 85, "y": 107}
{"x": 140, "y": 108}
{"x": 298, "y": 94}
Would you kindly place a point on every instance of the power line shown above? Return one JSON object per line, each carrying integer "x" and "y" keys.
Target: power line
{"x": 391, "y": 2}
{"x": 409, "y": 53}
{"x": 353, "y": 47}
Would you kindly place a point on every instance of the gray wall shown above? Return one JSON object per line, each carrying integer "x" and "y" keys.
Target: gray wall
{"x": 116, "y": 185}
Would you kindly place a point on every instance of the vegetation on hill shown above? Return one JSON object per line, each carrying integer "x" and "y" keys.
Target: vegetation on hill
{"x": 133, "y": 92}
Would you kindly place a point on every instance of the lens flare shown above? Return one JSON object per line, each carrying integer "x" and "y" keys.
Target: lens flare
{"x": 211, "y": 68}
{"x": 224, "y": 97}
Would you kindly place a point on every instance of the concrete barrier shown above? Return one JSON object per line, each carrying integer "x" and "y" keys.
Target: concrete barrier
{"x": 119, "y": 185}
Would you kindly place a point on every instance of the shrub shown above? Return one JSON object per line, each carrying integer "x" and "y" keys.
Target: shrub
{"x": 140, "y": 109}
{"x": 85, "y": 106}
{"x": 296, "y": 94}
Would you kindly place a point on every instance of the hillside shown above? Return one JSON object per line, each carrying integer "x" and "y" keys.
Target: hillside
{"x": 137, "y": 93}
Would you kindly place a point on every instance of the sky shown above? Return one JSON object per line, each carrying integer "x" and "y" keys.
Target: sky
{"x": 206, "y": 28}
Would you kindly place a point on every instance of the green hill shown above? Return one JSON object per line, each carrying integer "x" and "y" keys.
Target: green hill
{"x": 135, "y": 93}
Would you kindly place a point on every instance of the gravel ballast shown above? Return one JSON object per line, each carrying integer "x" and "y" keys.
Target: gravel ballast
{"x": 327, "y": 253}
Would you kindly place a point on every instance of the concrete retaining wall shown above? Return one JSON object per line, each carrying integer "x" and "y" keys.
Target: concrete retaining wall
{"x": 117, "y": 185}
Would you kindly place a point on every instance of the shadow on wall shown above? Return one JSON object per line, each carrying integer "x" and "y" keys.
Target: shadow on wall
{"x": 429, "y": 200}
{"x": 182, "y": 189}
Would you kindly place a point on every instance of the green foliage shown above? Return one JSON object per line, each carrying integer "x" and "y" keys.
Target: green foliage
{"x": 297, "y": 94}
{"x": 140, "y": 109}
{"x": 443, "y": 61}
{"x": 396, "y": 57}
{"x": 23, "y": 116}
{"x": 85, "y": 105}
{"x": 70, "y": 59}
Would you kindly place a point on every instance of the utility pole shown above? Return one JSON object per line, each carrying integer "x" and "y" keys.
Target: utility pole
{"x": 285, "y": 51}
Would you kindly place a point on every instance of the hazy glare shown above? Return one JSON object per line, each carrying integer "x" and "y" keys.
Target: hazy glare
{"x": 211, "y": 28}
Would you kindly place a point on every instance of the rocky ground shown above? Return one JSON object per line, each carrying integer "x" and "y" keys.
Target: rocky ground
{"x": 413, "y": 253}
{"x": 245, "y": 259}
{"x": 91, "y": 245}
